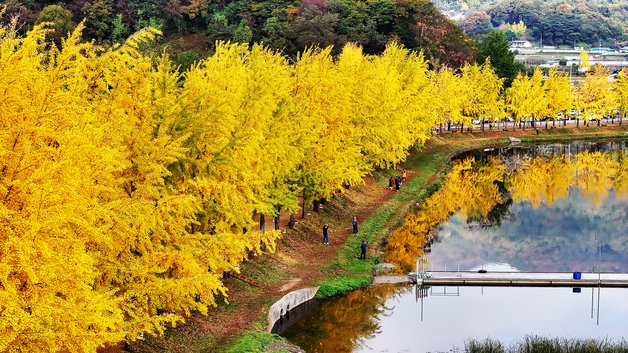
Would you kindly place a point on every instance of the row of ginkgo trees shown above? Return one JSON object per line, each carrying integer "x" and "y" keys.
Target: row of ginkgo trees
{"x": 475, "y": 95}
{"x": 127, "y": 188}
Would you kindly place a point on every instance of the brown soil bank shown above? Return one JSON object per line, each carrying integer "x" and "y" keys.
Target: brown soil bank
{"x": 301, "y": 260}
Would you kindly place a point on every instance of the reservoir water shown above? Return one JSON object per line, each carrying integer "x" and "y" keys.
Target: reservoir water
{"x": 541, "y": 208}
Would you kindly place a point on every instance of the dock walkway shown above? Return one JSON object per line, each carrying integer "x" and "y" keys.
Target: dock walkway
{"x": 521, "y": 279}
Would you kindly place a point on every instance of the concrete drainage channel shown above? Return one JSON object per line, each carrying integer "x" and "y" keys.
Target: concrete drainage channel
{"x": 290, "y": 301}
{"x": 280, "y": 312}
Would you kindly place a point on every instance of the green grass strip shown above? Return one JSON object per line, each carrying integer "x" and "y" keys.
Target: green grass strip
{"x": 341, "y": 286}
{"x": 254, "y": 342}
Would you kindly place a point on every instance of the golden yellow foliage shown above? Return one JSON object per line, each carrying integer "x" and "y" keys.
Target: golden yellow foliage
{"x": 621, "y": 180}
{"x": 482, "y": 93}
{"x": 558, "y": 93}
{"x": 584, "y": 60}
{"x": 594, "y": 174}
{"x": 449, "y": 95}
{"x": 539, "y": 180}
{"x": 127, "y": 188}
{"x": 596, "y": 96}
{"x": 526, "y": 97}
{"x": 57, "y": 189}
{"x": 621, "y": 87}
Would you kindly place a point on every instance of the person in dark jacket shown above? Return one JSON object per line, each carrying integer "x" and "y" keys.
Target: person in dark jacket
{"x": 363, "y": 248}
{"x": 354, "y": 223}
{"x": 391, "y": 183}
{"x": 397, "y": 183}
{"x": 325, "y": 234}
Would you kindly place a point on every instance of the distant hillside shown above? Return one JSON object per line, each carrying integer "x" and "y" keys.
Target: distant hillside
{"x": 557, "y": 21}
{"x": 287, "y": 25}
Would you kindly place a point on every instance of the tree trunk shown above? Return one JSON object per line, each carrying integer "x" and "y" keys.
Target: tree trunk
{"x": 303, "y": 208}
{"x": 440, "y": 130}
{"x": 599, "y": 121}
{"x": 482, "y": 122}
{"x": 262, "y": 222}
{"x": 292, "y": 221}
{"x": 546, "y": 122}
{"x": 449, "y": 126}
{"x": 577, "y": 122}
{"x": 277, "y": 218}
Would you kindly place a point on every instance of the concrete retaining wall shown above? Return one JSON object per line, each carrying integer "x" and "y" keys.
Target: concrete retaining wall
{"x": 289, "y": 302}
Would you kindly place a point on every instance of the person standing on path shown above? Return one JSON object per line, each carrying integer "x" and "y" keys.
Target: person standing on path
{"x": 325, "y": 234}
{"x": 354, "y": 222}
{"x": 363, "y": 248}
{"x": 397, "y": 183}
{"x": 391, "y": 183}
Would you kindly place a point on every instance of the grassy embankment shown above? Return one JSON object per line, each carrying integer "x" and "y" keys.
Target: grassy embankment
{"x": 426, "y": 169}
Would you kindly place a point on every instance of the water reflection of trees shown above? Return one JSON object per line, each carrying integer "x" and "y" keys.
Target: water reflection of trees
{"x": 347, "y": 320}
{"x": 482, "y": 191}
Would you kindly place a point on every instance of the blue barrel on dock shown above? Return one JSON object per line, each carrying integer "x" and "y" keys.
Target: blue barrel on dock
{"x": 577, "y": 275}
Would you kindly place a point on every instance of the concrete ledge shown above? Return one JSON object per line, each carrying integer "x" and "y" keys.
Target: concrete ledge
{"x": 392, "y": 279}
{"x": 289, "y": 302}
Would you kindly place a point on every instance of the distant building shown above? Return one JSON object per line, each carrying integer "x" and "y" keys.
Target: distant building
{"x": 600, "y": 50}
{"x": 518, "y": 44}
{"x": 551, "y": 63}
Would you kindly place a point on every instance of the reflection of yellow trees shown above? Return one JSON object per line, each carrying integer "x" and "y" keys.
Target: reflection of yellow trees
{"x": 538, "y": 180}
{"x": 594, "y": 174}
{"x": 348, "y": 319}
{"x": 621, "y": 181}
{"x": 469, "y": 187}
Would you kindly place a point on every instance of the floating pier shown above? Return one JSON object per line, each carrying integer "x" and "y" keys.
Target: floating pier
{"x": 520, "y": 279}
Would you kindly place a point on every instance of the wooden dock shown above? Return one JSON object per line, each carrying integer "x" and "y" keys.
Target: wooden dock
{"x": 520, "y": 279}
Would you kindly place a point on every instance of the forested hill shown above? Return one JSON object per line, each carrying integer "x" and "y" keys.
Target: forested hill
{"x": 557, "y": 21}
{"x": 287, "y": 25}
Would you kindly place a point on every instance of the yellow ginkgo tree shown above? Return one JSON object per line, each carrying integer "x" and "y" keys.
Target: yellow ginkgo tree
{"x": 621, "y": 87}
{"x": 482, "y": 98}
{"x": 596, "y": 95}
{"x": 558, "y": 95}
{"x": 448, "y": 97}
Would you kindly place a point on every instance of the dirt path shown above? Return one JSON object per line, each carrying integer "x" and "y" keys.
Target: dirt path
{"x": 300, "y": 256}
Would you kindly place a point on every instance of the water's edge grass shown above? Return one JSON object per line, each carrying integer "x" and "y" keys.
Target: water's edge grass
{"x": 532, "y": 344}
